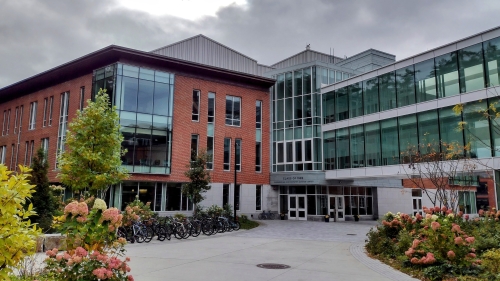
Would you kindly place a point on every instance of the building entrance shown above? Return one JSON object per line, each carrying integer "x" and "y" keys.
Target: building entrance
{"x": 297, "y": 209}
{"x": 336, "y": 208}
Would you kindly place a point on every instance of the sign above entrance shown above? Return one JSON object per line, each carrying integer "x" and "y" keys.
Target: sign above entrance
{"x": 298, "y": 179}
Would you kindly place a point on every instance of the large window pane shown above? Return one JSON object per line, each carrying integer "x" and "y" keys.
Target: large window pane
{"x": 448, "y": 127}
{"x": 288, "y": 85}
{"x": 130, "y": 87}
{"x": 280, "y": 86}
{"x": 428, "y": 131}
{"x": 470, "y": 60}
{"x": 495, "y": 125}
{"x": 387, "y": 91}
{"x": 306, "y": 82}
{"x": 357, "y": 146}
{"x": 297, "y": 80}
{"x": 477, "y": 132}
{"x": 408, "y": 138}
{"x": 372, "y": 147}
{"x": 307, "y": 109}
{"x": 143, "y": 150}
{"x": 370, "y": 97}
{"x": 145, "y": 99}
{"x": 341, "y": 104}
{"x": 492, "y": 57}
{"x": 329, "y": 150}
{"x": 447, "y": 75}
{"x": 161, "y": 99}
{"x": 128, "y": 143}
{"x": 342, "y": 140}
{"x": 405, "y": 86}
{"x": 355, "y": 100}
{"x": 389, "y": 137}
{"x": 288, "y": 109}
{"x": 425, "y": 80}
{"x": 159, "y": 150}
{"x": 328, "y": 107}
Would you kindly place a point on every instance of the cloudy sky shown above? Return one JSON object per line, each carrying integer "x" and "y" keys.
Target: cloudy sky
{"x": 36, "y": 35}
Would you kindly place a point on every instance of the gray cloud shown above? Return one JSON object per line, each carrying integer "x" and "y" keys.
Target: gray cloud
{"x": 38, "y": 35}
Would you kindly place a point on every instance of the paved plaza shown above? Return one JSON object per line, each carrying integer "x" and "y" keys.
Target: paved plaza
{"x": 313, "y": 250}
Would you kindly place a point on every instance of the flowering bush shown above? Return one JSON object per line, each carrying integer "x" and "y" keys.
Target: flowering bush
{"x": 137, "y": 210}
{"x": 440, "y": 243}
{"x": 93, "y": 250}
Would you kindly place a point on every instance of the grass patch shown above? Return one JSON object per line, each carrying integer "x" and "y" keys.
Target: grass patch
{"x": 248, "y": 224}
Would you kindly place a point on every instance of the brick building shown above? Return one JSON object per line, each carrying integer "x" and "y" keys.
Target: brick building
{"x": 167, "y": 108}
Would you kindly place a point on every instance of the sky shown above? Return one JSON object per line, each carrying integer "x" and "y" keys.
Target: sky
{"x": 38, "y": 35}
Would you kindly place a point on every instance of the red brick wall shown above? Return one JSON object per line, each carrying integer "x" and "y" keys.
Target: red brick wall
{"x": 183, "y": 127}
{"x": 73, "y": 86}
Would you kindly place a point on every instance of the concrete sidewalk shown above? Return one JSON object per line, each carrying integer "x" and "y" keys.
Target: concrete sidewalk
{"x": 313, "y": 250}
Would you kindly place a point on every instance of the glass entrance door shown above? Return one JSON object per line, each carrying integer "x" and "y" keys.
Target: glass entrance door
{"x": 297, "y": 207}
{"x": 336, "y": 208}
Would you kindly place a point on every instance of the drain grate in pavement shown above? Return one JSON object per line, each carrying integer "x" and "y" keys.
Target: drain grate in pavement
{"x": 351, "y": 234}
{"x": 273, "y": 266}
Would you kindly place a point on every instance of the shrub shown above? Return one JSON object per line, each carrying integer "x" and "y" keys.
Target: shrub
{"x": 214, "y": 210}
{"x": 93, "y": 250}
{"x": 17, "y": 233}
{"x": 491, "y": 262}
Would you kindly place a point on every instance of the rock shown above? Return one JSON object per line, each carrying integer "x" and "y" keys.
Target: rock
{"x": 54, "y": 241}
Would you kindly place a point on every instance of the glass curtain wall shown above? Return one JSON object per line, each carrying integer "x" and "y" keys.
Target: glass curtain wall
{"x": 468, "y": 69}
{"x": 144, "y": 100}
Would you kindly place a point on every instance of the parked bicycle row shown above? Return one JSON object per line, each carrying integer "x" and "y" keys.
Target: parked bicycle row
{"x": 181, "y": 228}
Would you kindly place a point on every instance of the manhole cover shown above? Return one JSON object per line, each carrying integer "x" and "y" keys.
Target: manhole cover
{"x": 351, "y": 234}
{"x": 273, "y": 266}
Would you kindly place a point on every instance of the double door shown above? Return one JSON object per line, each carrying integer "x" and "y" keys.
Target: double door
{"x": 336, "y": 208}
{"x": 297, "y": 209}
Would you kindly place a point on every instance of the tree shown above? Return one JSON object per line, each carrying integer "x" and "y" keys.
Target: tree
{"x": 17, "y": 233}
{"x": 44, "y": 202}
{"x": 441, "y": 170}
{"x": 92, "y": 160}
{"x": 199, "y": 177}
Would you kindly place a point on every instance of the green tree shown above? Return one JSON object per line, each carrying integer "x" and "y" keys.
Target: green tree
{"x": 199, "y": 177}
{"x": 17, "y": 233}
{"x": 44, "y": 202}
{"x": 92, "y": 160}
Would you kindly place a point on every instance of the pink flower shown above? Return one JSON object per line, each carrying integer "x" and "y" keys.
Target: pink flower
{"x": 81, "y": 219}
{"x": 451, "y": 255}
{"x": 415, "y": 243}
{"x": 444, "y": 209}
{"x": 100, "y": 273}
{"x": 414, "y": 260}
{"x": 59, "y": 257}
{"x": 481, "y": 212}
{"x": 470, "y": 240}
{"x": 459, "y": 240}
{"x": 410, "y": 252}
{"x": 471, "y": 255}
{"x": 455, "y": 228}
{"x": 460, "y": 214}
{"x": 81, "y": 252}
{"x": 130, "y": 278}
{"x": 466, "y": 217}
{"x": 436, "y": 209}
{"x": 435, "y": 225}
{"x": 418, "y": 217}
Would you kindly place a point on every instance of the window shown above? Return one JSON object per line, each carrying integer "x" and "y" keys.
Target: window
{"x": 63, "y": 123}
{"x": 341, "y": 104}
{"x": 194, "y": 147}
{"x": 237, "y": 196}
{"x": 20, "y": 121}
{"x": 258, "y": 197}
{"x": 370, "y": 96}
{"x": 11, "y": 167}
{"x": 195, "y": 113}
{"x": 32, "y": 148}
{"x": 387, "y": 91}
{"x": 15, "y": 120}
{"x": 210, "y": 130}
{"x": 51, "y": 105}
{"x": 3, "y": 153}
{"x": 405, "y": 86}
{"x": 225, "y": 194}
{"x": 471, "y": 69}
{"x": 258, "y": 136}
{"x": 227, "y": 154}
{"x": 492, "y": 61}
{"x": 233, "y": 108}
{"x": 467, "y": 202}
{"x": 26, "y": 154}
{"x": 416, "y": 196}
{"x": 4, "y": 123}
{"x": 32, "y": 121}
{"x": 45, "y": 103}
{"x": 82, "y": 97}
{"x": 45, "y": 145}
{"x": 425, "y": 80}
{"x": 447, "y": 75}
{"x": 8, "y": 123}
{"x": 355, "y": 99}
{"x": 238, "y": 154}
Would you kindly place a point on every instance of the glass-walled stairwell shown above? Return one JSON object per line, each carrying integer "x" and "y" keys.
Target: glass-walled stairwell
{"x": 144, "y": 101}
